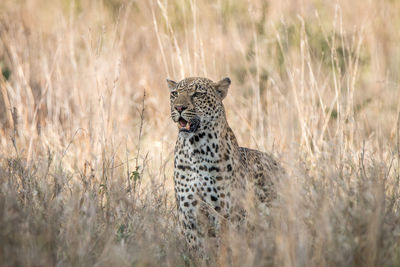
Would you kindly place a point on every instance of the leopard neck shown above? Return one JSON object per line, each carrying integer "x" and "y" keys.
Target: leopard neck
{"x": 214, "y": 141}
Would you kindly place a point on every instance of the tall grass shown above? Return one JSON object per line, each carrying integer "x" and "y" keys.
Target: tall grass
{"x": 86, "y": 142}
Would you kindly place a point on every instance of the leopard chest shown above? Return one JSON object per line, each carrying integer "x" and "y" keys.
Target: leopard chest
{"x": 202, "y": 175}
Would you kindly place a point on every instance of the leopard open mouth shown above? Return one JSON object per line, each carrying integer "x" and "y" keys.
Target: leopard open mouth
{"x": 183, "y": 125}
{"x": 188, "y": 126}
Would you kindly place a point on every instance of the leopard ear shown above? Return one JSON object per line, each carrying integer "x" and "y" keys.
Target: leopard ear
{"x": 222, "y": 87}
{"x": 171, "y": 84}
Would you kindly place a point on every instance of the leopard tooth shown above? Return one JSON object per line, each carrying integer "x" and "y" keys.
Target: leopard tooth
{"x": 187, "y": 126}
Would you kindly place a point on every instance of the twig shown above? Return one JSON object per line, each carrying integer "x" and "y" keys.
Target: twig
{"x": 140, "y": 138}
{"x": 70, "y": 142}
{"x": 141, "y": 127}
{"x": 127, "y": 171}
{"x": 398, "y": 148}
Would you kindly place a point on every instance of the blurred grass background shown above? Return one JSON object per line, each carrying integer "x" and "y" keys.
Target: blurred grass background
{"x": 86, "y": 142}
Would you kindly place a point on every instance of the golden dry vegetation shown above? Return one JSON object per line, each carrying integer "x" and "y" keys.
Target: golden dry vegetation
{"x": 86, "y": 142}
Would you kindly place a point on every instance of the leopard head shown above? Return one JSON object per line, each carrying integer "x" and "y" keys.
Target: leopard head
{"x": 197, "y": 102}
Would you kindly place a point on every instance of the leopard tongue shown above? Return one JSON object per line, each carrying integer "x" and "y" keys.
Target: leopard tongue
{"x": 182, "y": 123}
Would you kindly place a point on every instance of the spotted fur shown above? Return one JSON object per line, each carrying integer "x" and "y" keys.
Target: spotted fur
{"x": 209, "y": 165}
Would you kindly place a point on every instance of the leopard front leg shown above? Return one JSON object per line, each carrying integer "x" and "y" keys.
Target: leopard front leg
{"x": 188, "y": 206}
{"x": 191, "y": 231}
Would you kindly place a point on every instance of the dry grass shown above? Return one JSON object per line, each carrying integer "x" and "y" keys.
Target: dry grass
{"x": 85, "y": 156}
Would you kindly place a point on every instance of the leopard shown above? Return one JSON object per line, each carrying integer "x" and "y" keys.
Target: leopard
{"x": 211, "y": 171}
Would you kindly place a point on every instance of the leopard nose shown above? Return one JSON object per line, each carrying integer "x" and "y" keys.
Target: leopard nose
{"x": 180, "y": 108}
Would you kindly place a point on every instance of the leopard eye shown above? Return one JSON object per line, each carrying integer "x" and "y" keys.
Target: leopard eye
{"x": 174, "y": 93}
{"x": 198, "y": 94}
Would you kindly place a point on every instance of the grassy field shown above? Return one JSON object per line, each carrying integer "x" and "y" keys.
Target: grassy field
{"x": 86, "y": 141}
